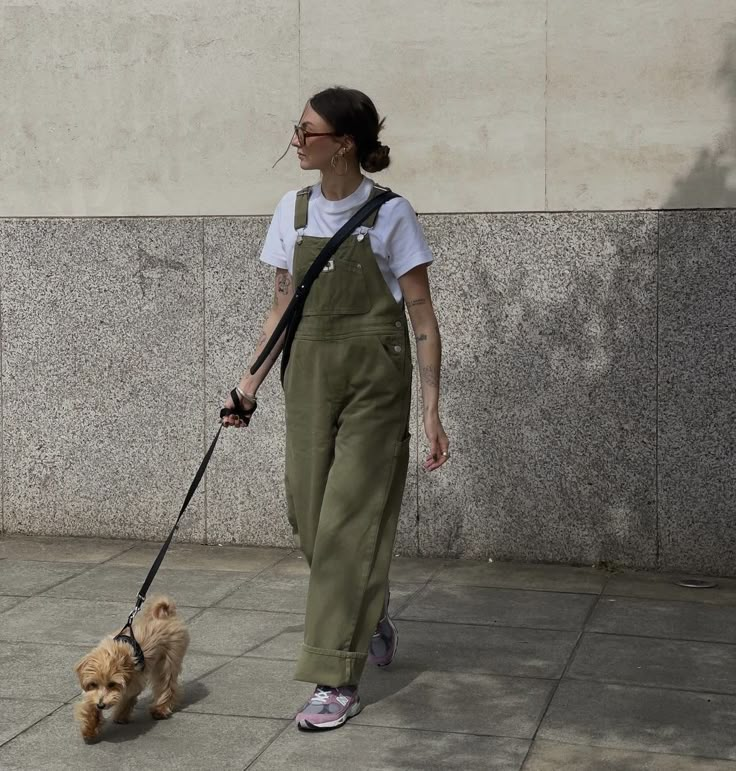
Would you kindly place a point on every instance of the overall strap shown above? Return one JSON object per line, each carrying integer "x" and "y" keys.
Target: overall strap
{"x": 370, "y": 220}
{"x": 301, "y": 209}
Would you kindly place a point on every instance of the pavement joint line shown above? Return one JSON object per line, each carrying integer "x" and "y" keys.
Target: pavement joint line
{"x": 29, "y": 698}
{"x": 91, "y": 566}
{"x": 659, "y": 637}
{"x": 699, "y": 603}
{"x": 579, "y": 593}
{"x": 650, "y": 687}
{"x": 637, "y": 749}
{"x": 21, "y": 598}
{"x": 568, "y": 664}
{"x": 28, "y": 728}
{"x": 487, "y": 626}
{"x": 8, "y": 537}
{"x": 287, "y": 725}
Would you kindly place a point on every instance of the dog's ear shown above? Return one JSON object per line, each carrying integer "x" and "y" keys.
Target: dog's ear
{"x": 80, "y": 665}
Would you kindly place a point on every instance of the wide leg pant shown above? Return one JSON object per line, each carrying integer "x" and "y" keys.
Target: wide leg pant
{"x": 347, "y": 411}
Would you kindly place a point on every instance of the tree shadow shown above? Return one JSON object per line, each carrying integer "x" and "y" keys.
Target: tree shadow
{"x": 568, "y": 334}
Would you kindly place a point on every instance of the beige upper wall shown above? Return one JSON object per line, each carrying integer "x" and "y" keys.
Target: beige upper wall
{"x": 180, "y": 108}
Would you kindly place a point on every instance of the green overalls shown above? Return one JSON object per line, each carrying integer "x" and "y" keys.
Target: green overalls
{"x": 348, "y": 393}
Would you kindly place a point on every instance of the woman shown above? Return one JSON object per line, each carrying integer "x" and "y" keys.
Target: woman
{"x": 347, "y": 392}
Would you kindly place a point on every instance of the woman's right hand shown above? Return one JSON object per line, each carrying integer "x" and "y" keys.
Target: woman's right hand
{"x": 235, "y": 420}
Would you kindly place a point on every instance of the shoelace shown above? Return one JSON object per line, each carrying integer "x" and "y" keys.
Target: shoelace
{"x": 321, "y": 695}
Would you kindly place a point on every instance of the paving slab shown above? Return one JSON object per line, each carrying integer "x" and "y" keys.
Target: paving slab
{"x": 686, "y": 665}
{"x": 7, "y": 602}
{"x": 516, "y": 575}
{"x": 664, "y": 618}
{"x": 293, "y": 564}
{"x": 288, "y": 594}
{"x": 227, "y": 631}
{"x": 390, "y": 749}
{"x": 59, "y": 621}
{"x": 34, "y": 670}
{"x": 413, "y": 570}
{"x": 17, "y": 715}
{"x": 643, "y": 719}
{"x": 508, "y": 607}
{"x": 425, "y": 645}
{"x": 192, "y": 588}
{"x": 27, "y": 577}
{"x": 253, "y": 688}
{"x": 187, "y": 741}
{"x": 192, "y": 556}
{"x": 554, "y": 756}
{"x": 663, "y": 586}
{"x": 284, "y": 646}
{"x": 53, "y": 549}
{"x": 484, "y": 705}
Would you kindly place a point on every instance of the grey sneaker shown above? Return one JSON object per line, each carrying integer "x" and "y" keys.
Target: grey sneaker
{"x": 329, "y": 707}
{"x": 385, "y": 640}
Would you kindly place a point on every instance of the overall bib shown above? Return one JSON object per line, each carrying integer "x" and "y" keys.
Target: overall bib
{"x": 347, "y": 391}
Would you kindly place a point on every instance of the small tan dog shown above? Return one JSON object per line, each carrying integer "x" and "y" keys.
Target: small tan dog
{"x": 110, "y": 678}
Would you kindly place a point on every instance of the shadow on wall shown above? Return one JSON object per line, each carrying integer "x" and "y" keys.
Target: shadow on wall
{"x": 713, "y": 177}
{"x": 552, "y": 362}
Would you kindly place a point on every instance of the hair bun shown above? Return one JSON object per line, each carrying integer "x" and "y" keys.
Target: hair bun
{"x": 376, "y": 159}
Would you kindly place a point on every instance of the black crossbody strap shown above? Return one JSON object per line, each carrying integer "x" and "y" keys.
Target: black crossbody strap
{"x": 292, "y": 314}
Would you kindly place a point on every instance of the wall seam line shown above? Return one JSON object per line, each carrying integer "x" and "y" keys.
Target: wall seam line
{"x": 204, "y": 375}
{"x": 657, "y": 535}
{"x": 546, "y": 86}
{"x": 2, "y": 405}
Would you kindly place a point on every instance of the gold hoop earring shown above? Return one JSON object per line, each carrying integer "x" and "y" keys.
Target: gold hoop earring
{"x": 333, "y": 163}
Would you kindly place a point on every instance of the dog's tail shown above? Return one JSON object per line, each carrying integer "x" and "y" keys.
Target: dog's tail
{"x": 161, "y": 607}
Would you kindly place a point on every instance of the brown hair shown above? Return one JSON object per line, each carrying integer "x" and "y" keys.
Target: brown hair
{"x": 351, "y": 112}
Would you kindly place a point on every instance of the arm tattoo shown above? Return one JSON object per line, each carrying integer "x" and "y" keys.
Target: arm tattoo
{"x": 431, "y": 376}
{"x": 284, "y": 283}
{"x": 421, "y": 338}
{"x": 412, "y": 303}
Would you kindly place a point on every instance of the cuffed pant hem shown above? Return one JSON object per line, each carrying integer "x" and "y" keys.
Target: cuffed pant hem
{"x": 327, "y": 667}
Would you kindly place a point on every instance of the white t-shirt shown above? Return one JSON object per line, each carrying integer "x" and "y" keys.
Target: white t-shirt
{"x": 397, "y": 238}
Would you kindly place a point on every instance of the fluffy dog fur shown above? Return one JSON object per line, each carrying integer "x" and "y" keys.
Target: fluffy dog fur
{"x": 109, "y": 678}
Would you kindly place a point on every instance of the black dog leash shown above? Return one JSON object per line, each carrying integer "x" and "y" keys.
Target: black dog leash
{"x": 293, "y": 313}
{"x": 245, "y": 416}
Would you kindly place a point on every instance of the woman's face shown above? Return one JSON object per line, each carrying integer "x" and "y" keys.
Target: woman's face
{"x": 316, "y": 152}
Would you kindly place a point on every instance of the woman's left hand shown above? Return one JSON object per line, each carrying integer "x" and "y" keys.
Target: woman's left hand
{"x": 439, "y": 444}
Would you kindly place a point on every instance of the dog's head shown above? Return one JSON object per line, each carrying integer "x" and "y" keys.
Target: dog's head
{"x": 106, "y": 672}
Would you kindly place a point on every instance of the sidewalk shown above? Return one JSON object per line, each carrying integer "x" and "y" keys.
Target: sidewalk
{"x": 500, "y": 667}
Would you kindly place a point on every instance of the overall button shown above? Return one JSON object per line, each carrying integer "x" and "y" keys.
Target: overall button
{"x": 397, "y": 348}
{"x": 397, "y": 324}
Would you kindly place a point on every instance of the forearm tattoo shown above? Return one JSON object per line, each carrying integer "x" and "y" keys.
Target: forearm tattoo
{"x": 430, "y": 376}
{"x": 284, "y": 283}
{"x": 421, "y": 338}
{"x": 413, "y": 303}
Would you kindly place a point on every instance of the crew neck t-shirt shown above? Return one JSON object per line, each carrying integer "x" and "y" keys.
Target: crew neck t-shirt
{"x": 397, "y": 238}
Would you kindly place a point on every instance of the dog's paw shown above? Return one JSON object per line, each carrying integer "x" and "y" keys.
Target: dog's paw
{"x": 161, "y": 713}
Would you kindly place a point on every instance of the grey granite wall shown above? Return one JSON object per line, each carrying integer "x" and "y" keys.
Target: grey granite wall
{"x": 588, "y": 385}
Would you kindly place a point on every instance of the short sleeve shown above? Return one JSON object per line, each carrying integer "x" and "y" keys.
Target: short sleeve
{"x": 274, "y": 250}
{"x": 406, "y": 245}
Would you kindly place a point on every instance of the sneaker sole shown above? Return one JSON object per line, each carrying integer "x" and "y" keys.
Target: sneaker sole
{"x": 305, "y": 725}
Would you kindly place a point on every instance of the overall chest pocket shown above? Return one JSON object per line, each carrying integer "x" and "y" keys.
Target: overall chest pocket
{"x": 340, "y": 289}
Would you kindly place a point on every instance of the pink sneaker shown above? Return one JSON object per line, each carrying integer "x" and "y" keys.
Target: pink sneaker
{"x": 385, "y": 640}
{"x": 329, "y": 707}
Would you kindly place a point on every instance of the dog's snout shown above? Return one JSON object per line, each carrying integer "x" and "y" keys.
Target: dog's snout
{"x": 100, "y": 704}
